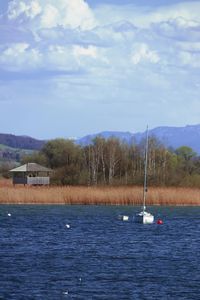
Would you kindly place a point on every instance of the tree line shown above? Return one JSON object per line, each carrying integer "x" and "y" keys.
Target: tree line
{"x": 112, "y": 162}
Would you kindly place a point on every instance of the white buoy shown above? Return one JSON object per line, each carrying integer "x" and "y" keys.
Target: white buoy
{"x": 65, "y": 293}
{"x": 67, "y": 225}
{"x": 123, "y": 218}
{"x": 9, "y": 215}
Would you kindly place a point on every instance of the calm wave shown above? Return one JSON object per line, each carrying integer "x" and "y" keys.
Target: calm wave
{"x": 98, "y": 256}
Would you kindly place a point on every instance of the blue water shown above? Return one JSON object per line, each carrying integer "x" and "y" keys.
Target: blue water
{"x": 98, "y": 257}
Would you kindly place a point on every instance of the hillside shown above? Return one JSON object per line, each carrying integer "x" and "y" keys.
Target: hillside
{"x": 13, "y": 148}
{"x": 21, "y": 142}
{"x": 9, "y": 154}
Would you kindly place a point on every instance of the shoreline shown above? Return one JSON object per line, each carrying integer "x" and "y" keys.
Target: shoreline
{"x": 81, "y": 195}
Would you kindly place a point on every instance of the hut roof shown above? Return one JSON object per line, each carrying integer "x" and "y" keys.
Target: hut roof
{"x": 31, "y": 167}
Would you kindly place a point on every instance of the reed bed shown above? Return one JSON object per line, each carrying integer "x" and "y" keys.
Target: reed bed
{"x": 96, "y": 195}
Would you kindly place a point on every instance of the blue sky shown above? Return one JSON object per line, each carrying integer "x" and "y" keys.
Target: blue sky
{"x": 72, "y": 67}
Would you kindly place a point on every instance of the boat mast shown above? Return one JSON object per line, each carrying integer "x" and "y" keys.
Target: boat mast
{"x": 145, "y": 170}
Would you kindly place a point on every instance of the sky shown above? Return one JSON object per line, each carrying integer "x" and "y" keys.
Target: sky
{"x": 69, "y": 68}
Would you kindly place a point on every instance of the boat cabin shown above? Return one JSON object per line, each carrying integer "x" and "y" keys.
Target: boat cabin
{"x": 31, "y": 174}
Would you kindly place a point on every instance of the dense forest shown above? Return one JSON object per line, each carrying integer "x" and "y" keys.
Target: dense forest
{"x": 112, "y": 162}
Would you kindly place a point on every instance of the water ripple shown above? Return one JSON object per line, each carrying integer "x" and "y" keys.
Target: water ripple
{"x": 98, "y": 257}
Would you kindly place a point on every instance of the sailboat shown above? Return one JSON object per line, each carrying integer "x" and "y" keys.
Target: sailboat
{"x": 145, "y": 217}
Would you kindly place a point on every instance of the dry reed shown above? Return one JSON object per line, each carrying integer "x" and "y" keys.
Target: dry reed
{"x": 96, "y": 195}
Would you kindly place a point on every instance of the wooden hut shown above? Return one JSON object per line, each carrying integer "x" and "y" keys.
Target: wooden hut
{"x": 31, "y": 174}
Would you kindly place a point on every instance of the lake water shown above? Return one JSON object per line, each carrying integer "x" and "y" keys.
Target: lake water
{"x": 98, "y": 257}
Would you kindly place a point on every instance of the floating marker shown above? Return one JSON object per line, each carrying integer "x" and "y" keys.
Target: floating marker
{"x": 9, "y": 215}
{"x": 160, "y": 222}
{"x": 65, "y": 293}
{"x": 67, "y": 225}
{"x": 123, "y": 218}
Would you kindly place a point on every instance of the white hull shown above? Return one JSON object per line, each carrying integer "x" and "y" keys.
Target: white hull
{"x": 144, "y": 218}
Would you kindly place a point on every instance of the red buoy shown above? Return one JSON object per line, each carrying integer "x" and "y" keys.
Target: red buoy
{"x": 159, "y": 222}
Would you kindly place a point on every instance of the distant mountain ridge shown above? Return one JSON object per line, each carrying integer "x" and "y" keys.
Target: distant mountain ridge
{"x": 127, "y": 137}
{"x": 170, "y": 136}
{"x": 179, "y": 136}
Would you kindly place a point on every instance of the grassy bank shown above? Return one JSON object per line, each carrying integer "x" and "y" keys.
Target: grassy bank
{"x": 96, "y": 195}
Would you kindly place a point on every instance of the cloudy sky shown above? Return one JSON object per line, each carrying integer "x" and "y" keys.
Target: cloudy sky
{"x": 72, "y": 67}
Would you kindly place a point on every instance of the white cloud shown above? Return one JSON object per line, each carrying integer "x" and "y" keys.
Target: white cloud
{"x": 66, "y": 40}
{"x": 144, "y": 16}
{"x": 30, "y": 9}
{"x": 58, "y": 57}
{"x": 178, "y": 29}
{"x": 90, "y": 51}
{"x": 16, "y": 49}
{"x": 142, "y": 53}
{"x": 51, "y": 13}
{"x": 190, "y": 59}
{"x": 91, "y": 58}
{"x": 20, "y": 57}
{"x": 78, "y": 14}
{"x": 186, "y": 14}
{"x": 135, "y": 55}
{"x": 189, "y": 46}
{"x": 186, "y": 23}
{"x": 49, "y": 17}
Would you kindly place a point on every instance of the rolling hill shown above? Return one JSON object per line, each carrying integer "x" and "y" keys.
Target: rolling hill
{"x": 21, "y": 142}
